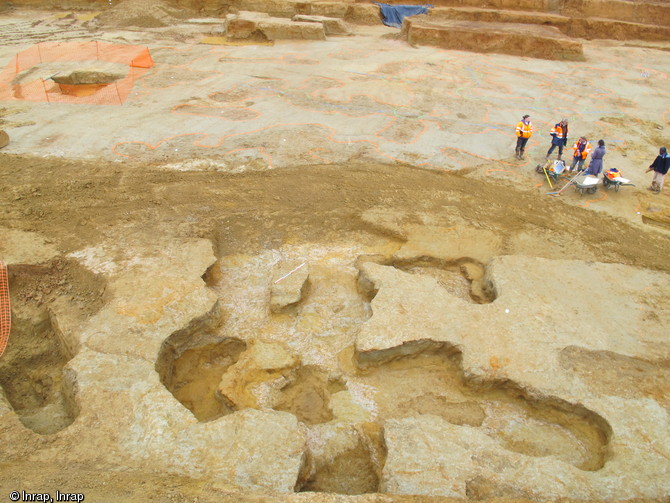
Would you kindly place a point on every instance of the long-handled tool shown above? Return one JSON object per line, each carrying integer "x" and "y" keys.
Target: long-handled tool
{"x": 544, "y": 168}
{"x": 558, "y": 193}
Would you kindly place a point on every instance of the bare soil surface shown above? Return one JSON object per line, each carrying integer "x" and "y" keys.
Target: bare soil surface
{"x": 259, "y": 147}
{"x": 245, "y": 213}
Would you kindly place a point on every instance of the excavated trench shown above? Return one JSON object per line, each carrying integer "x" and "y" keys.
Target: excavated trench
{"x": 342, "y": 399}
{"x": 32, "y": 375}
{"x": 73, "y": 78}
{"x": 191, "y": 362}
{"x": 213, "y": 368}
{"x": 426, "y": 377}
{"x": 47, "y": 303}
{"x": 464, "y": 278}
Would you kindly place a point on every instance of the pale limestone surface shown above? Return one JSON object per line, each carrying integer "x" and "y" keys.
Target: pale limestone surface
{"x": 288, "y": 283}
{"x": 432, "y": 239}
{"x": 280, "y": 29}
{"x": 327, "y": 441}
{"x": 289, "y": 8}
{"x": 347, "y": 409}
{"x": 518, "y": 337}
{"x": 457, "y": 242}
{"x": 255, "y": 379}
{"x": 331, "y": 25}
{"x": 126, "y": 416}
{"x": 244, "y": 23}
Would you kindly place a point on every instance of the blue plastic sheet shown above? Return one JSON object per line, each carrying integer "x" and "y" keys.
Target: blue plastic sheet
{"x": 392, "y": 15}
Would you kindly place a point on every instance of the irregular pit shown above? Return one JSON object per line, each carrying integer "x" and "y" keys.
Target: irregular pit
{"x": 191, "y": 363}
{"x": 356, "y": 470}
{"x": 31, "y": 372}
{"x": 464, "y": 277}
{"x": 47, "y": 302}
{"x": 308, "y": 395}
{"x": 426, "y": 377}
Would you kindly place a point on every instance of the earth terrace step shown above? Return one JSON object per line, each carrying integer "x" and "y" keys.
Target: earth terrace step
{"x": 439, "y": 14}
{"x": 534, "y": 41}
{"x": 589, "y": 28}
{"x": 522, "y": 5}
{"x": 593, "y": 28}
{"x": 245, "y": 25}
{"x": 331, "y": 25}
{"x": 633, "y": 11}
{"x": 651, "y": 13}
{"x": 357, "y": 13}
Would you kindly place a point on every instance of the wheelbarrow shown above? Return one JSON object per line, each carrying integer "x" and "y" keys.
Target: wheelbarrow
{"x": 612, "y": 179}
{"x": 586, "y": 183}
{"x": 552, "y": 169}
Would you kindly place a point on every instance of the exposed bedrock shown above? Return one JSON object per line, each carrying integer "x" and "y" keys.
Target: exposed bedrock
{"x": 516, "y": 346}
{"x": 182, "y": 368}
{"x": 50, "y": 297}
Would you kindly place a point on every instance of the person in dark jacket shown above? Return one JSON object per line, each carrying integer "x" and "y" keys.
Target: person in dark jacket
{"x": 596, "y": 164}
{"x": 559, "y": 138}
{"x": 660, "y": 168}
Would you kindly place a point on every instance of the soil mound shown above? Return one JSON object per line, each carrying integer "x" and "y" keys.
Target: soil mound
{"x": 140, "y": 14}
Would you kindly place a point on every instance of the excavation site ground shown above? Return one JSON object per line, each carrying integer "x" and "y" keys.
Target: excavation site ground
{"x": 278, "y": 251}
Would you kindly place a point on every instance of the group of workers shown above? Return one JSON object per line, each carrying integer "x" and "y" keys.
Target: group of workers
{"x": 581, "y": 150}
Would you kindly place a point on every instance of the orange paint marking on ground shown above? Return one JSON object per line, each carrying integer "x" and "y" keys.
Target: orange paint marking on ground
{"x": 286, "y": 59}
{"x": 493, "y": 170}
{"x": 149, "y": 146}
{"x": 198, "y": 143}
{"x": 394, "y": 120}
{"x": 255, "y": 113}
{"x": 311, "y": 154}
{"x": 602, "y": 197}
{"x": 261, "y": 150}
{"x": 316, "y": 88}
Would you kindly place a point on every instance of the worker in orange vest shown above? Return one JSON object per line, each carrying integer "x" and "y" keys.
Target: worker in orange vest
{"x": 524, "y": 130}
{"x": 559, "y": 138}
{"x": 581, "y": 149}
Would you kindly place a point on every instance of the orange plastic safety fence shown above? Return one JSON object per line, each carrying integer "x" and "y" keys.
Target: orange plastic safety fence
{"x": 5, "y": 311}
{"x": 12, "y": 87}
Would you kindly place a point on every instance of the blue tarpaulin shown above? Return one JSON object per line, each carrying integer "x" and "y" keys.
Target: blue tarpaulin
{"x": 393, "y": 14}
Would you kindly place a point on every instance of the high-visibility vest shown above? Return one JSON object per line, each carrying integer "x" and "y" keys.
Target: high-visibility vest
{"x": 524, "y": 130}
{"x": 557, "y": 131}
{"x": 586, "y": 149}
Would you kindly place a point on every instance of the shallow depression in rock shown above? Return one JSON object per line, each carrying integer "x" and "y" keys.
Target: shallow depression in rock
{"x": 191, "y": 362}
{"x": 32, "y": 377}
{"x": 47, "y": 303}
{"x": 427, "y": 378}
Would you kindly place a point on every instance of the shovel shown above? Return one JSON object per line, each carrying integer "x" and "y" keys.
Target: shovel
{"x": 558, "y": 193}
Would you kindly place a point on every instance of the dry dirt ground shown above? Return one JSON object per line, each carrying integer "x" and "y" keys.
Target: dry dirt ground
{"x": 338, "y": 152}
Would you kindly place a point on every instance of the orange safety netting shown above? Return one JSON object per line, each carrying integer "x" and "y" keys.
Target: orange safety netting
{"x": 14, "y": 87}
{"x": 5, "y": 312}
